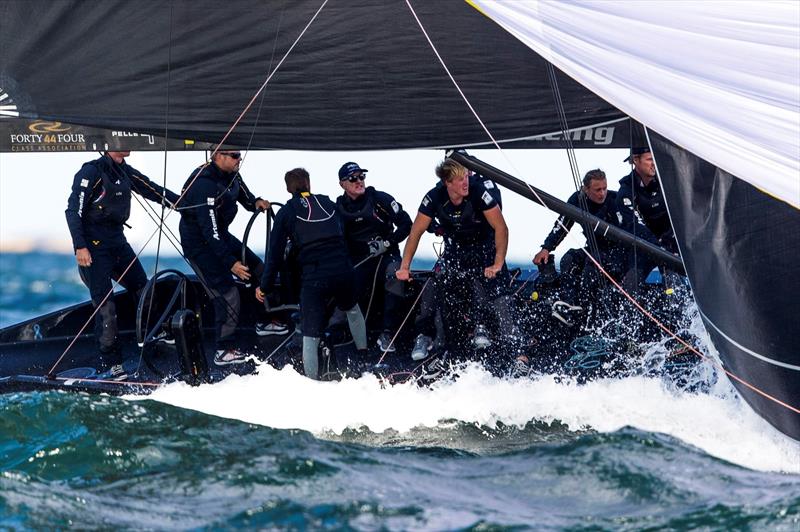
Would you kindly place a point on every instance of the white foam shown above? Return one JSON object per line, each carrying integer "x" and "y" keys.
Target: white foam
{"x": 719, "y": 424}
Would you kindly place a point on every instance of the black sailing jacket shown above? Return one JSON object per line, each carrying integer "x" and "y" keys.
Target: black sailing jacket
{"x": 100, "y": 202}
{"x": 374, "y": 214}
{"x": 606, "y": 211}
{"x": 208, "y": 209}
{"x": 313, "y": 224}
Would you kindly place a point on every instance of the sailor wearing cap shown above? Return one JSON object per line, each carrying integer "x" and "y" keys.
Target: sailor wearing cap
{"x": 208, "y": 208}
{"x": 374, "y": 224}
{"x": 641, "y": 204}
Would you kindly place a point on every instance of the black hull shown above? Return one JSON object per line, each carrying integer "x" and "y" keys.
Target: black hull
{"x": 29, "y": 351}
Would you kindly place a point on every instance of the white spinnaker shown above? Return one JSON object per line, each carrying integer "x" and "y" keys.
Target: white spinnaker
{"x": 721, "y": 79}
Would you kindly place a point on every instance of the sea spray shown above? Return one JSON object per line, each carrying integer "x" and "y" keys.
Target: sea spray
{"x": 718, "y": 423}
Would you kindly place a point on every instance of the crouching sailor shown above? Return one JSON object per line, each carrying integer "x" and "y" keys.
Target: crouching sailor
{"x": 97, "y": 209}
{"x": 473, "y": 264}
{"x": 579, "y": 279}
{"x": 312, "y": 224}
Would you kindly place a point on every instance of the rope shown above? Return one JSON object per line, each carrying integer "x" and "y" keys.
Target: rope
{"x": 413, "y": 305}
{"x": 573, "y": 161}
{"x": 188, "y": 186}
{"x": 372, "y": 292}
{"x": 589, "y": 255}
{"x": 285, "y": 341}
{"x": 424, "y": 286}
{"x": 164, "y": 183}
{"x": 97, "y": 308}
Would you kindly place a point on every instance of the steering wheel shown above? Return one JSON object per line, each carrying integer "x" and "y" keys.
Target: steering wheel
{"x": 270, "y": 219}
{"x": 144, "y": 335}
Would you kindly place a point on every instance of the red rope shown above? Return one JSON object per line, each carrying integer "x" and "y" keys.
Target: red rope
{"x": 636, "y": 304}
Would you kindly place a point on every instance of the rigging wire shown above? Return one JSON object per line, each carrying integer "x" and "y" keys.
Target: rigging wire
{"x": 163, "y": 184}
{"x": 591, "y": 238}
{"x": 188, "y": 186}
{"x": 99, "y": 306}
{"x": 174, "y": 240}
{"x": 414, "y": 304}
{"x": 589, "y": 255}
{"x": 269, "y": 70}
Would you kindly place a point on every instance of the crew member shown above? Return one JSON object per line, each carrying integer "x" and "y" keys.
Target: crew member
{"x": 476, "y": 240}
{"x": 430, "y": 308}
{"x": 207, "y": 210}
{"x": 576, "y": 277}
{"x": 97, "y": 209}
{"x": 641, "y": 203}
{"x": 374, "y": 225}
{"x": 312, "y": 223}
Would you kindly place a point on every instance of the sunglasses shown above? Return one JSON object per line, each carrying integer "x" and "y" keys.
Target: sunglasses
{"x": 355, "y": 178}
{"x": 235, "y": 155}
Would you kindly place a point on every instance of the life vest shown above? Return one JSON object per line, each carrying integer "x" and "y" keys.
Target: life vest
{"x": 366, "y": 223}
{"x": 110, "y": 200}
{"x": 648, "y": 202}
{"x": 316, "y": 223}
{"x": 462, "y": 223}
{"x": 226, "y": 196}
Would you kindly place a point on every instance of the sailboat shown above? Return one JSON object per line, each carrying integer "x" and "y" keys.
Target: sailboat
{"x": 715, "y": 88}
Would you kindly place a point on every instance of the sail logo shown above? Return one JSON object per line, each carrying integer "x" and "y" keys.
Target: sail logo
{"x": 41, "y": 138}
{"x": 8, "y": 108}
{"x": 150, "y": 138}
{"x": 42, "y": 135}
{"x": 41, "y": 126}
{"x": 598, "y": 136}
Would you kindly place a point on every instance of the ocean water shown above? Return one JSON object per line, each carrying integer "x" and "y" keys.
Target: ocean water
{"x": 278, "y": 451}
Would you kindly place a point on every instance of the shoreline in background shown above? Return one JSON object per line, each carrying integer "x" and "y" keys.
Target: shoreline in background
{"x": 33, "y": 283}
{"x": 420, "y": 262}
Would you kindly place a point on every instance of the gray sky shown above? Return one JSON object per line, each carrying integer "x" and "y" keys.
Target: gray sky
{"x": 34, "y": 190}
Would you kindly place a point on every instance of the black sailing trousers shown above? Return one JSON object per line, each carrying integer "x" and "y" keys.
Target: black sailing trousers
{"x": 109, "y": 262}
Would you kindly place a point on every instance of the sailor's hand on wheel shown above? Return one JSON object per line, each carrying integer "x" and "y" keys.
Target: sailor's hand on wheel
{"x": 403, "y": 274}
{"x": 262, "y": 205}
{"x": 260, "y": 295}
{"x": 241, "y": 271}
{"x": 83, "y": 257}
{"x": 542, "y": 256}
{"x": 491, "y": 271}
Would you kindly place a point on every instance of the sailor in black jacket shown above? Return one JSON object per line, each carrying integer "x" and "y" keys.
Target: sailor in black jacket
{"x": 473, "y": 262}
{"x": 312, "y": 223}
{"x": 374, "y": 224}
{"x": 207, "y": 209}
{"x": 97, "y": 209}
{"x": 575, "y": 275}
{"x": 641, "y": 202}
{"x": 644, "y": 211}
